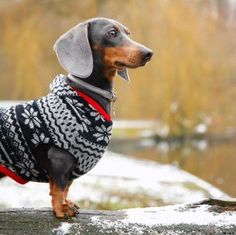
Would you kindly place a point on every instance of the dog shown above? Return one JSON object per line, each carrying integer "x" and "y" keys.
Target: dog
{"x": 62, "y": 136}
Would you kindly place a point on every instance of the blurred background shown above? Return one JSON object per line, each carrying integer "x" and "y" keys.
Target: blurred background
{"x": 185, "y": 96}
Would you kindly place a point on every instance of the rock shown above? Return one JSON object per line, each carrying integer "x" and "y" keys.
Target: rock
{"x": 207, "y": 217}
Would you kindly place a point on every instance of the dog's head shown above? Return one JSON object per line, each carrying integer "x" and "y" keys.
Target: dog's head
{"x": 100, "y": 39}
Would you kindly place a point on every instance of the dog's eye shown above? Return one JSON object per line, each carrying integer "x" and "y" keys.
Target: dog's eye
{"x": 112, "y": 33}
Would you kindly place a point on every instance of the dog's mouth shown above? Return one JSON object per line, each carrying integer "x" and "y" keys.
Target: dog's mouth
{"x": 120, "y": 65}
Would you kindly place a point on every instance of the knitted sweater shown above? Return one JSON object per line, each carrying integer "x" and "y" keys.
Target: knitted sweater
{"x": 65, "y": 118}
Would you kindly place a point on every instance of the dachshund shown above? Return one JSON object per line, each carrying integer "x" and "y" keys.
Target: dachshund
{"x": 62, "y": 136}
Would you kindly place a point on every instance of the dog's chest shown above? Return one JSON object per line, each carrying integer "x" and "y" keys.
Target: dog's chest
{"x": 77, "y": 127}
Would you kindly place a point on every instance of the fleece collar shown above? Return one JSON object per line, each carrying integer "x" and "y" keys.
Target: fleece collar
{"x": 60, "y": 87}
{"x": 78, "y": 83}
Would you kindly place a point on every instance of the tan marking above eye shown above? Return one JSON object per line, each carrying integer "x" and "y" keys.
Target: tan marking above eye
{"x": 127, "y": 31}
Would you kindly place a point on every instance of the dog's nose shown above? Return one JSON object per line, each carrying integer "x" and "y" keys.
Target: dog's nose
{"x": 147, "y": 54}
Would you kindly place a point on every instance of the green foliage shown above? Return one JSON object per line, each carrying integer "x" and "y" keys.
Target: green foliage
{"x": 188, "y": 81}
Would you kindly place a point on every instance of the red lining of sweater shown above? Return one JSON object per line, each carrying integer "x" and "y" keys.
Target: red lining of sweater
{"x": 12, "y": 175}
{"x": 97, "y": 106}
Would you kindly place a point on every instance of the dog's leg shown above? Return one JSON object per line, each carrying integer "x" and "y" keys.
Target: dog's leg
{"x": 61, "y": 206}
{"x": 69, "y": 207}
{"x": 61, "y": 165}
{"x": 57, "y": 199}
{"x": 66, "y": 201}
{"x": 50, "y": 187}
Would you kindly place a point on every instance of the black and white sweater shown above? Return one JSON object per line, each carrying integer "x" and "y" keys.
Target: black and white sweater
{"x": 65, "y": 118}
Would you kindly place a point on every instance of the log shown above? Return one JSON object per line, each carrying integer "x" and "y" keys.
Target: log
{"x": 207, "y": 217}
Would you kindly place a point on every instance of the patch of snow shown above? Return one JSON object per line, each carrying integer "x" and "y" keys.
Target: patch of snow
{"x": 118, "y": 226}
{"x": 178, "y": 214}
{"x": 147, "y": 173}
{"x": 14, "y": 195}
{"x": 63, "y": 229}
{"x": 101, "y": 223}
{"x": 138, "y": 221}
{"x": 9, "y": 103}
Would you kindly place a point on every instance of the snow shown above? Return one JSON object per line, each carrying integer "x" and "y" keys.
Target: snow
{"x": 139, "y": 221}
{"x": 7, "y": 104}
{"x": 151, "y": 176}
{"x": 173, "y": 215}
{"x": 63, "y": 229}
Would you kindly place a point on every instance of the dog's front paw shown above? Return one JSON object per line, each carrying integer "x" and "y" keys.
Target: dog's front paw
{"x": 71, "y": 204}
{"x": 70, "y": 209}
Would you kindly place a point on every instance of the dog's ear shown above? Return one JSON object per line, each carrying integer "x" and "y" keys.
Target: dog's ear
{"x": 124, "y": 74}
{"x": 74, "y": 52}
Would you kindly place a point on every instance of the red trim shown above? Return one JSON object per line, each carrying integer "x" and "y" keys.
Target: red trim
{"x": 97, "y": 106}
{"x": 12, "y": 175}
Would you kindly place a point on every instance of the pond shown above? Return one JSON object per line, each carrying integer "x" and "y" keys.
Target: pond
{"x": 213, "y": 162}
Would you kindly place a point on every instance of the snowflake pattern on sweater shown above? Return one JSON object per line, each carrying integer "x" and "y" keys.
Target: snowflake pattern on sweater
{"x": 62, "y": 118}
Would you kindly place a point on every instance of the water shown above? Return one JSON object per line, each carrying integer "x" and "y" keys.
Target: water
{"x": 215, "y": 162}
